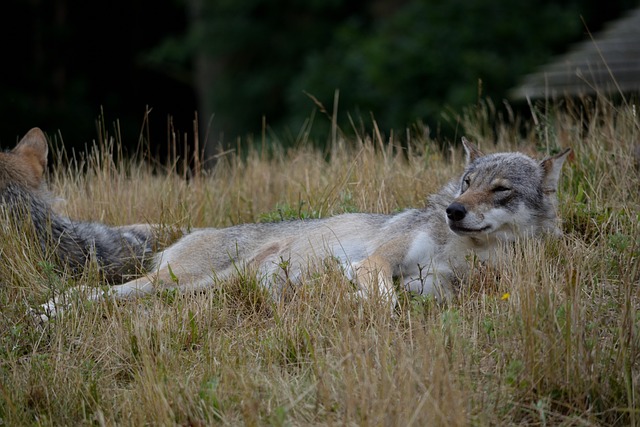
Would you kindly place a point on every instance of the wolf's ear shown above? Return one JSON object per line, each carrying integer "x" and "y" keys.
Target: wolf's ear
{"x": 471, "y": 150}
{"x": 551, "y": 167}
{"x": 33, "y": 149}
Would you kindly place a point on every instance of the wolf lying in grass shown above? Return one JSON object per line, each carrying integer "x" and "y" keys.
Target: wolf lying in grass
{"x": 25, "y": 205}
{"x": 499, "y": 198}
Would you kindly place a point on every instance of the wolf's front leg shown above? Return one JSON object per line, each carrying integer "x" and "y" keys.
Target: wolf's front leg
{"x": 437, "y": 284}
{"x": 373, "y": 275}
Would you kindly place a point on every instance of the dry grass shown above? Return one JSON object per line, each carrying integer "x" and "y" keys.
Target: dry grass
{"x": 551, "y": 338}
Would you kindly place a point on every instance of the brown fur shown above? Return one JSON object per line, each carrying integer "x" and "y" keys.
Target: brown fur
{"x": 25, "y": 164}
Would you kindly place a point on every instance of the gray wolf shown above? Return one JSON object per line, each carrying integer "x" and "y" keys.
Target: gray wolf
{"x": 499, "y": 198}
{"x": 25, "y": 202}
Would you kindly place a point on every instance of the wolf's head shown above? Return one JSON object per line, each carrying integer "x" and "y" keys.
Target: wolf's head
{"x": 26, "y": 163}
{"x": 505, "y": 195}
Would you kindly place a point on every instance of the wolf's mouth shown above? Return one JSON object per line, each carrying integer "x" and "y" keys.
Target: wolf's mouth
{"x": 464, "y": 230}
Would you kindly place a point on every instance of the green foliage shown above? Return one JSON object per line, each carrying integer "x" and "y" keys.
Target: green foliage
{"x": 431, "y": 55}
{"x": 400, "y": 62}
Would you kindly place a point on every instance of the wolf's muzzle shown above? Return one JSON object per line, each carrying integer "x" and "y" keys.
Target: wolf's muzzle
{"x": 456, "y": 211}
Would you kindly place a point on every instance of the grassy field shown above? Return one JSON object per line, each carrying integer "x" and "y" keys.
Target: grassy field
{"x": 550, "y": 338}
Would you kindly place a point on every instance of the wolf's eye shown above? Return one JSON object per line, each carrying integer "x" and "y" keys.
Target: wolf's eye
{"x": 500, "y": 189}
{"x": 466, "y": 182}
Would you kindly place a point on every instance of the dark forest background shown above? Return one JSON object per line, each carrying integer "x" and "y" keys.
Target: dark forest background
{"x": 240, "y": 64}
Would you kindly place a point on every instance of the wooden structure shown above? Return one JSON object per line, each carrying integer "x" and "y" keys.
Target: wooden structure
{"x": 608, "y": 63}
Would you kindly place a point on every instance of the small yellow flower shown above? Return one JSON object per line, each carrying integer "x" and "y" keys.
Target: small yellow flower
{"x": 505, "y": 296}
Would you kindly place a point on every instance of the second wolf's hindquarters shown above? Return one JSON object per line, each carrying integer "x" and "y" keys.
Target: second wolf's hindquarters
{"x": 119, "y": 252}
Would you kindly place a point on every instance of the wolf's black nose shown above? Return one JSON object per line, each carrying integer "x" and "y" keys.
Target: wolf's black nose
{"x": 456, "y": 211}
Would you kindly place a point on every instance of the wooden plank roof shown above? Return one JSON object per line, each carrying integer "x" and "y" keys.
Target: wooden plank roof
{"x": 607, "y": 63}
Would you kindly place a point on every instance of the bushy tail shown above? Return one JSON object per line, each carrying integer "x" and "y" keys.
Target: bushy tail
{"x": 120, "y": 252}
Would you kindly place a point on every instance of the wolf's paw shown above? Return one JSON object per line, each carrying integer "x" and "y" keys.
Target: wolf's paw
{"x": 365, "y": 296}
{"x": 56, "y": 305}
{"x": 44, "y": 313}
{"x": 371, "y": 285}
{"x": 349, "y": 270}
